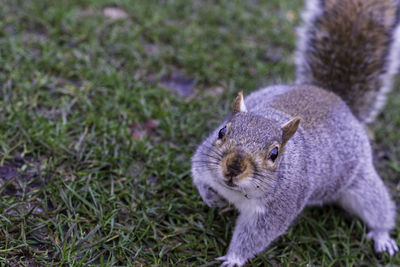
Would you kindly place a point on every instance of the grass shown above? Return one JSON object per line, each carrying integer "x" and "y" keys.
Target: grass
{"x": 77, "y": 188}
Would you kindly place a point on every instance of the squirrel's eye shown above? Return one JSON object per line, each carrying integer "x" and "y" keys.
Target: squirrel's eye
{"x": 273, "y": 154}
{"x": 221, "y": 133}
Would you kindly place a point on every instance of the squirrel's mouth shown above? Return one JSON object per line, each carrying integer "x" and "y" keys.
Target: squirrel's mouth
{"x": 230, "y": 183}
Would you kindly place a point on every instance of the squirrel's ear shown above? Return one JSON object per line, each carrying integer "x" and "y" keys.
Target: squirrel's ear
{"x": 289, "y": 129}
{"x": 239, "y": 106}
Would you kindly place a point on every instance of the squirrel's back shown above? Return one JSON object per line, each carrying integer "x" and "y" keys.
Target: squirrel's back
{"x": 350, "y": 47}
{"x": 313, "y": 105}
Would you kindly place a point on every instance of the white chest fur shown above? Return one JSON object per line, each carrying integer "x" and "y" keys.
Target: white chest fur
{"x": 245, "y": 204}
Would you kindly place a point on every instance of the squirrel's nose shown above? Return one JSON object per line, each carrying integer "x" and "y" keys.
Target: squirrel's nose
{"x": 234, "y": 167}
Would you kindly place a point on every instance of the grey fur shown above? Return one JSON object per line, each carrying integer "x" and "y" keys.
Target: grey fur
{"x": 325, "y": 162}
{"x": 328, "y": 159}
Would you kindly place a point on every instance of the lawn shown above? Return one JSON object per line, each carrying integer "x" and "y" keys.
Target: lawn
{"x": 102, "y": 105}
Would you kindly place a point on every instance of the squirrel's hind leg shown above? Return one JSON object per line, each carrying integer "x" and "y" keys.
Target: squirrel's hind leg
{"x": 368, "y": 198}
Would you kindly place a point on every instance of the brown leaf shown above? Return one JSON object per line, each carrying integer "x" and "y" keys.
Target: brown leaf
{"x": 139, "y": 130}
{"x": 291, "y": 16}
{"x": 150, "y": 125}
{"x": 137, "y": 134}
{"x": 115, "y": 13}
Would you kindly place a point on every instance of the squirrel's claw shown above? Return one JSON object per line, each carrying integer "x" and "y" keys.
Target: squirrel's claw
{"x": 383, "y": 242}
{"x": 230, "y": 261}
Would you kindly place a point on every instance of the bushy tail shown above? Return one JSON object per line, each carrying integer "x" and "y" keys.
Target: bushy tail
{"x": 350, "y": 47}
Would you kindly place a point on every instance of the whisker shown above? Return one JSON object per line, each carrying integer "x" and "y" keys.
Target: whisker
{"x": 214, "y": 149}
{"x": 205, "y": 164}
{"x": 211, "y": 156}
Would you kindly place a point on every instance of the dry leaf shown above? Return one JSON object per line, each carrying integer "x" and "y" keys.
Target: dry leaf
{"x": 291, "y": 16}
{"x": 139, "y": 130}
{"x": 115, "y": 13}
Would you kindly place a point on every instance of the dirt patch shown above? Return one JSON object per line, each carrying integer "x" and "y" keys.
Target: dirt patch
{"x": 179, "y": 83}
{"x": 20, "y": 183}
{"x": 38, "y": 36}
{"x": 19, "y": 177}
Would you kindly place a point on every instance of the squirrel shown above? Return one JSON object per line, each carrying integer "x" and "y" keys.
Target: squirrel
{"x": 286, "y": 147}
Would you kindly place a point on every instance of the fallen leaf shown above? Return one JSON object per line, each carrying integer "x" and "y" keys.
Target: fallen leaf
{"x": 115, "y": 13}
{"x": 291, "y": 15}
{"x": 213, "y": 91}
{"x": 150, "y": 125}
{"x": 139, "y": 130}
{"x": 137, "y": 134}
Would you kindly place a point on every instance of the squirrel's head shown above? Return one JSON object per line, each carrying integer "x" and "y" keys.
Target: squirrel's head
{"x": 248, "y": 148}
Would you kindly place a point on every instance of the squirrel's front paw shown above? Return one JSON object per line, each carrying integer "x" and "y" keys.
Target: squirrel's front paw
{"x": 383, "y": 242}
{"x": 211, "y": 197}
{"x": 231, "y": 261}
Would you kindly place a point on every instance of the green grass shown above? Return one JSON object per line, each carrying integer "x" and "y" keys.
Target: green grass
{"x": 78, "y": 189}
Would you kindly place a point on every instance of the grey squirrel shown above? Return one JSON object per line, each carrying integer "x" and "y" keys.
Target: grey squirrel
{"x": 286, "y": 147}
